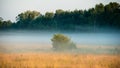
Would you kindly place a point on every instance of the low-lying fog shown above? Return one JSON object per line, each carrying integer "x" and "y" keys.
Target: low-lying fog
{"x": 43, "y": 38}
{"x": 87, "y": 38}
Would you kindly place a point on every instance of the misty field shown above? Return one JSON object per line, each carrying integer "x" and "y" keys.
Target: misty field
{"x": 58, "y": 60}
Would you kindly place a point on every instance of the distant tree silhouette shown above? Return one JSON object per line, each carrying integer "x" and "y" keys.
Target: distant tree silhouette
{"x": 24, "y": 20}
{"x": 97, "y": 17}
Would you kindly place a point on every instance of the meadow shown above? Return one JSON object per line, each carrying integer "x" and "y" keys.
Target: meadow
{"x": 25, "y": 50}
{"x": 58, "y": 60}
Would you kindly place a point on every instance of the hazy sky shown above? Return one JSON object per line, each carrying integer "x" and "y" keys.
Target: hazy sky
{"x": 9, "y": 9}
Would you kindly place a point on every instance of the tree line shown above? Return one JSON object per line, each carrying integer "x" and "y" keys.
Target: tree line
{"x": 96, "y": 17}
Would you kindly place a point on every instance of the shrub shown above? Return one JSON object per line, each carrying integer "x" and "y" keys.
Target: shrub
{"x": 62, "y": 42}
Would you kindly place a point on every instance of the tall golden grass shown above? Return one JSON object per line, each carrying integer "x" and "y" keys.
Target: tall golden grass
{"x": 58, "y": 60}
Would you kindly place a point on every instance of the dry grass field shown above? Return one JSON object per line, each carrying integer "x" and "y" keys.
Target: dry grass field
{"x": 58, "y": 60}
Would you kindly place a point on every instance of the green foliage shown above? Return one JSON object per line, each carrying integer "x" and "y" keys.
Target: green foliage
{"x": 49, "y": 15}
{"x": 24, "y": 20}
{"x": 62, "y": 42}
{"x": 98, "y": 16}
{"x": 5, "y": 24}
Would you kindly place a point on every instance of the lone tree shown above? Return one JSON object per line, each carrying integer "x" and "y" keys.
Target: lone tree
{"x": 62, "y": 42}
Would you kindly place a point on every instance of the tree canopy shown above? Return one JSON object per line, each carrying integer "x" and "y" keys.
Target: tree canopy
{"x": 98, "y": 16}
{"x": 62, "y": 42}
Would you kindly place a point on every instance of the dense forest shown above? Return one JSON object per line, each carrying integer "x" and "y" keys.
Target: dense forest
{"x": 97, "y": 17}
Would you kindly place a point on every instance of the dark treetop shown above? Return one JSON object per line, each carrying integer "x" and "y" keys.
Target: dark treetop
{"x": 98, "y": 17}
